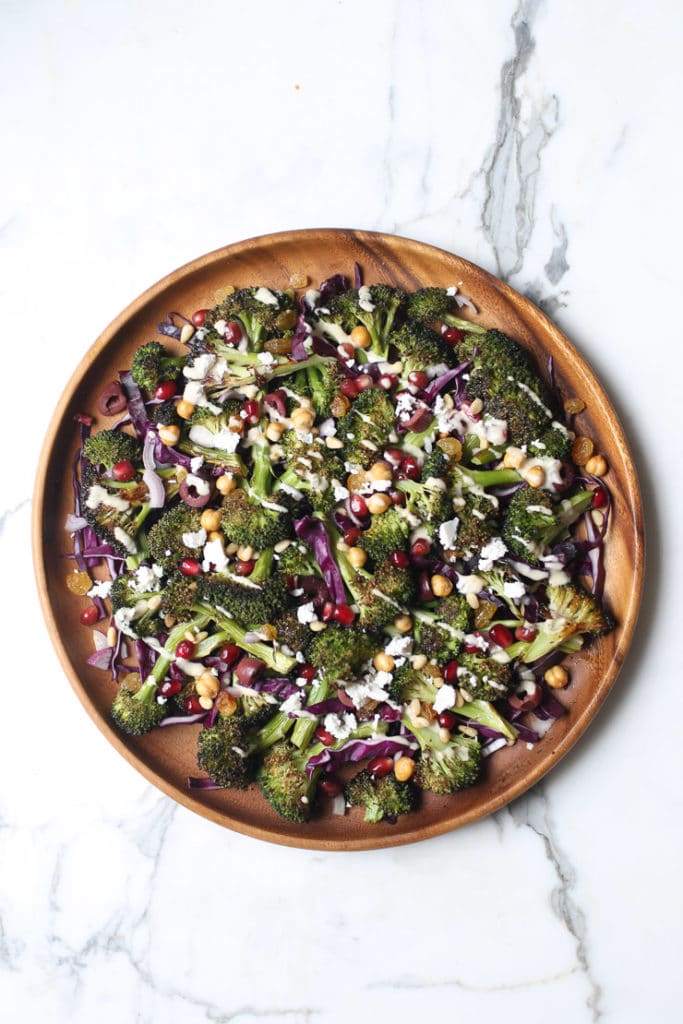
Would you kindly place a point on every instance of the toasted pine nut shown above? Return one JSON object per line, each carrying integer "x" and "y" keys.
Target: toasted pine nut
{"x": 154, "y": 602}
{"x": 317, "y": 627}
{"x": 231, "y": 549}
{"x": 281, "y": 546}
{"x": 274, "y": 431}
{"x": 468, "y": 730}
{"x": 111, "y": 636}
{"x": 186, "y": 333}
{"x": 245, "y": 553}
{"x": 334, "y": 443}
{"x": 556, "y": 677}
{"x": 476, "y": 406}
{"x": 383, "y": 662}
{"x": 472, "y": 600}
{"x": 513, "y": 458}
{"x": 444, "y": 735}
{"x": 206, "y": 703}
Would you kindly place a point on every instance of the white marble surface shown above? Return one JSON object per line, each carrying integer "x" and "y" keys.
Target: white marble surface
{"x": 540, "y": 139}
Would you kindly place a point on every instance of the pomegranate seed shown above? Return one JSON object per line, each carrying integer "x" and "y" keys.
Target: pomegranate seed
{"x": 199, "y": 317}
{"x": 233, "y": 332}
{"x": 328, "y": 611}
{"x": 452, "y": 335}
{"x": 358, "y": 505}
{"x": 450, "y": 672}
{"x": 387, "y": 381}
{"x": 190, "y": 567}
{"x": 400, "y": 559}
{"x": 381, "y": 766}
{"x": 397, "y": 497}
{"x": 308, "y": 672}
{"x": 90, "y": 615}
{"x": 349, "y": 388}
{"x": 230, "y": 654}
{"x": 344, "y": 614}
{"x": 418, "y": 379}
{"x": 420, "y": 548}
{"x": 165, "y": 389}
{"x": 364, "y": 381}
{"x": 169, "y": 688}
{"x": 599, "y": 499}
{"x": 346, "y": 351}
{"x": 411, "y": 468}
{"x": 352, "y": 536}
{"x": 192, "y": 705}
{"x": 501, "y": 635}
{"x": 395, "y": 456}
{"x": 447, "y": 720}
{"x": 330, "y": 785}
{"x": 324, "y": 737}
{"x": 525, "y": 633}
{"x": 123, "y": 471}
{"x": 244, "y": 568}
{"x": 185, "y": 649}
{"x": 252, "y": 410}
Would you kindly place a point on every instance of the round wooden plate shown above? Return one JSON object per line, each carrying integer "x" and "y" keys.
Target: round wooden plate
{"x": 167, "y": 757}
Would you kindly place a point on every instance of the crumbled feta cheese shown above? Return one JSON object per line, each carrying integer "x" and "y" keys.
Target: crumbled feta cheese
{"x": 200, "y": 367}
{"x": 266, "y": 358}
{"x": 445, "y": 698}
{"x": 371, "y": 688}
{"x": 305, "y": 613}
{"x": 147, "y": 579}
{"x": 514, "y": 590}
{"x": 405, "y": 404}
{"x": 491, "y": 552}
{"x": 123, "y": 619}
{"x": 214, "y": 556}
{"x": 453, "y": 290}
{"x": 195, "y": 539}
{"x": 292, "y": 706}
{"x": 472, "y": 640}
{"x": 101, "y": 588}
{"x": 340, "y": 492}
{"x": 265, "y": 296}
{"x": 196, "y": 463}
{"x": 448, "y": 532}
{"x": 399, "y": 646}
{"x": 340, "y": 725}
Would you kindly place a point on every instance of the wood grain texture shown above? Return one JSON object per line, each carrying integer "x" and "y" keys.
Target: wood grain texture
{"x": 166, "y": 757}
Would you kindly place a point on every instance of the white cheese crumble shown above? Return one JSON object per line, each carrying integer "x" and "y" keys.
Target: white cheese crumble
{"x": 305, "y": 613}
{"x": 340, "y": 725}
{"x": 514, "y": 590}
{"x": 292, "y": 705}
{"x": 265, "y": 296}
{"x": 101, "y": 588}
{"x": 195, "y": 539}
{"x": 200, "y": 367}
{"x": 147, "y": 579}
{"x": 399, "y": 646}
{"x": 196, "y": 463}
{"x": 448, "y": 532}
{"x": 371, "y": 688}
{"x": 445, "y": 698}
{"x": 266, "y": 358}
{"x": 340, "y": 492}
{"x": 215, "y": 556}
{"x": 491, "y": 552}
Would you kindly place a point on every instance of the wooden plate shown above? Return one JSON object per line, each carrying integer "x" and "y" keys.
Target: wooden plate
{"x": 166, "y": 757}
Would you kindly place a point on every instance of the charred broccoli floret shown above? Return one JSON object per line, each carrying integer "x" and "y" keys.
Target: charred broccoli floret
{"x": 262, "y": 313}
{"x": 387, "y": 532}
{"x": 435, "y": 305}
{"x": 292, "y": 635}
{"x": 224, "y": 753}
{"x": 439, "y": 634}
{"x": 108, "y": 447}
{"x": 166, "y": 415}
{"x": 573, "y": 613}
{"x": 445, "y": 767}
{"x": 323, "y": 384}
{"x": 365, "y": 428}
{"x": 285, "y": 784}
{"x": 556, "y": 443}
{"x": 383, "y": 799}
{"x": 379, "y": 596}
{"x": 116, "y": 512}
{"x": 252, "y": 605}
{"x": 151, "y": 363}
{"x": 297, "y": 560}
{"x": 338, "y": 653}
{"x": 126, "y": 592}
{"x": 312, "y": 473}
{"x": 410, "y": 683}
{"x": 532, "y": 521}
{"x": 376, "y": 307}
{"x": 483, "y": 678}
{"x": 429, "y": 501}
{"x": 165, "y": 537}
{"x": 419, "y": 346}
{"x": 210, "y": 436}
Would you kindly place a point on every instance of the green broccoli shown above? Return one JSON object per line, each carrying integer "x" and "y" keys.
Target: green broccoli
{"x": 435, "y": 305}
{"x": 246, "y": 515}
{"x": 366, "y": 427}
{"x": 166, "y": 415}
{"x": 323, "y": 384}
{"x": 428, "y": 501}
{"x": 108, "y": 447}
{"x": 440, "y": 634}
{"x": 376, "y": 307}
{"x": 445, "y": 766}
{"x": 224, "y": 752}
{"x": 262, "y": 313}
{"x": 338, "y": 653}
{"x": 165, "y": 537}
{"x": 151, "y": 364}
{"x": 532, "y": 521}
{"x": 484, "y": 678}
{"x": 297, "y": 560}
{"x": 117, "y": 515}
{"x": 124, "y": 594}
{"x": 383, "y": 799}
{"x": 410, "y": 683}
{"x": 419, "y": 347}
{"x": 573, "y": 613}
{"x": 555, "y": 443}
{"x": 379, "y": 596}
{"x": 285, "y": 784}
{"x": 388, "y": 532}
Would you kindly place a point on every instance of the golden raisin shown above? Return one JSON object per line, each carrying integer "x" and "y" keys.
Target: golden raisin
{"x": 484, "y": 614}
{"x": 279, "y": 346}
{"x": 298, "y": 281}
{"x": 286, "y": 320}
{"x": 223, "y": 293}
{"x": 131, "y": 682}
{"x": 340, "y": 406}
{"x": 451, "y": 447}
{"x": 582, "y": 449}
{"x": 355, "y": 481}
{"x": 79, "y": 583}
{"x": 573, "y": 406}
{"x": 225, "y": 704}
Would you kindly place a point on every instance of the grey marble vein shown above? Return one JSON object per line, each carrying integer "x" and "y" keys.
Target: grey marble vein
{"x": 409, "y": 984}
{"x": 557, "y": 266}
{"x": 512, "y": 166}
{"x": 533, "y": 811}
{"x": 10, "y": 512}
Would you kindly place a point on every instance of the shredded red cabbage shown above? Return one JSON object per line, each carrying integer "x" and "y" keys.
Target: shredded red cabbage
{"x": 312, "y": 532}
{"x": 439, "y": 383}
{"x": 359, "y": 750}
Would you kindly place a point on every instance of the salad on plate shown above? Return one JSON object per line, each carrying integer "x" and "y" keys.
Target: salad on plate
{"x": 345, "y": 535}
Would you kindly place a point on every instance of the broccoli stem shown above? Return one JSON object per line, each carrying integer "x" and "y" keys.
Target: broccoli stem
{"x": 285, "y": 369}
{"x": 413, "y": 441}
{"x": 262, "y": 475}
{"x": 484, "y": 713}
{"x": 149, "y": 687}
{"x": 263, "y": 567}
{"x": 305, "y": 727}
{"x": 273, "y": 731}
{"x": 231, "y": 630}
{"x": 489, "y": 477}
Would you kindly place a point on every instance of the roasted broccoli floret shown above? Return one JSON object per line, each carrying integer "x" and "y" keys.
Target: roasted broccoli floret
{"x": 312, "y": 472}
{"x": 108, "y": 447}
{"x": 297, "y": 560}
{"x": 165, "y": 537}
{"x": 532, "y": 521}
{"x": 338, "y": 653}
{"x": 246, "y": 517}
{"x": 293, "y": 635}
{"x": 439, "y": 634}
{"x": 285, "y": 784}
{"x": 419, "y": 347}
{"x": 252, "y": 603}
{"x": 555, "y": 443}
{"x": 151, "y": 363}
{"x": 376, "y": 307}
{"x": 166, "y": 415}
{"x": 224, "y": 752}
{"x": 476, "y": 523}
{"x": 256, "y": 708}
{"x": 383, "y": 799}
{"x": 483, "y": 678}
{"x": 445, "y": 766}
{"x": 262, "y": 313}
{"x": 210, "y": 436}
{"x": 116, "y": 512}
{"x": 323, "y": 384}
{"x": 379, "y": 596}
{"x": 365, "y": 428}
{"x": 573, "y": 613}
{"x": 410, "y": 683}
{"x": 387, "y": 532}
{"x": 125, "y": 593}
{"x": 435, "y": 305}
{"x": 428, "y": 501}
